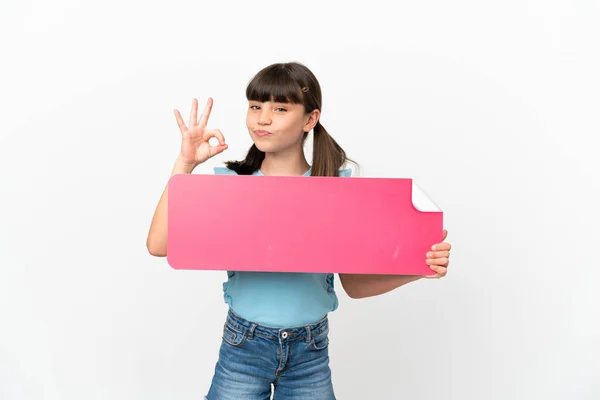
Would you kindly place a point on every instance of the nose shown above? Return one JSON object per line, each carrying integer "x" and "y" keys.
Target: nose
{"x": 265, "y": 116}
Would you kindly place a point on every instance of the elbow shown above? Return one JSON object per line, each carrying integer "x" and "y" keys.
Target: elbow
{"x": 353, "y": 289}
{"x": 357, "y": 294}
{"x": 157, "y": 253}
{"x": 155, "y": 250}
{"x": 352, "y": 292}
{"x": 354, "y": 295}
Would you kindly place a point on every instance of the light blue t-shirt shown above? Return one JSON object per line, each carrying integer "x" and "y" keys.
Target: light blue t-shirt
{"x": 279, "y": 299}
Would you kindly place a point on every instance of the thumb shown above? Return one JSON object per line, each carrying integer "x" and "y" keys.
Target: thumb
{"x": 218, "y": 149}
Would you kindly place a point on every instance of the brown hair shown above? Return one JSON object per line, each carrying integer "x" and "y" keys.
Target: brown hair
{"x": 292, "y": 83}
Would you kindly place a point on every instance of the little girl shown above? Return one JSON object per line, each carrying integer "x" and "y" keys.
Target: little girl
{"x": 275, "y": 334}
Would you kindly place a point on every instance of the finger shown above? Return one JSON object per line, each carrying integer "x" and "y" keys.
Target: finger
{"x": 194, "y": 113}
{"x": 445, "y": 246}
{"x": 444, "y": 235}
{"x": 440, "y": 271}
{"x": 180, "y": 122}
{"x": 214, "y": 150}
{"x": 216, "y": 134}
{"x": 444, "y": 261}
{"x": 438, "y": 254}
{"x": 206, "y": 113}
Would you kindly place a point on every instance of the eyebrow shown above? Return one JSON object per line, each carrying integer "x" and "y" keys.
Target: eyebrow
{"x": 273, "y": 102}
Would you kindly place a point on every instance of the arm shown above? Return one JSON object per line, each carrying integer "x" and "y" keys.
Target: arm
{"x": 157, "y": 236}
{"x": 195, "y": 149}
{"x": 358, "y": 286}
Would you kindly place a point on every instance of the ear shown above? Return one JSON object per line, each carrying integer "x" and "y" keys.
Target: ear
{"x": 311, "y": 120}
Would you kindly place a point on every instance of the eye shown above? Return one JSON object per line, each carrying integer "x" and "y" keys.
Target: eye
{"x": 281, "y": 108}
{"x": 254, "y": 107}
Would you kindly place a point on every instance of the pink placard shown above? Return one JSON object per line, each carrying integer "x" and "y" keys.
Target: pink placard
{"x": 298, "y": 224}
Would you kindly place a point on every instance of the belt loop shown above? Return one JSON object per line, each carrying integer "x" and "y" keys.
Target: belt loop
{"x": 308, "y": 333}
{"x": 251, "y": 330}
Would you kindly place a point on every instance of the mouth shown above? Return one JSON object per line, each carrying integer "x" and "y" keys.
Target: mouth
{"x": 262, "y": 133}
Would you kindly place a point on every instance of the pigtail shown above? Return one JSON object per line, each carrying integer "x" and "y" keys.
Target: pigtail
{"x": 328, "y": 156}
{"x": 248, "y": 165}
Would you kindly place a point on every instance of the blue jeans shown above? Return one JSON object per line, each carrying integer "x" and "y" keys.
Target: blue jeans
{"x": 253, "y": 357}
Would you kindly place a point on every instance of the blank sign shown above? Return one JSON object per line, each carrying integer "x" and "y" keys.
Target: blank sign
{"x": 300, "y": 224}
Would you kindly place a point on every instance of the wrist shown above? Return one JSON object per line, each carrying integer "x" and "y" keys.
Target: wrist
{"x": 183, "y": 167}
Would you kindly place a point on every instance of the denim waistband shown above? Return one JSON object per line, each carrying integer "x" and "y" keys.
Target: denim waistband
{"x": 294, "y": 333}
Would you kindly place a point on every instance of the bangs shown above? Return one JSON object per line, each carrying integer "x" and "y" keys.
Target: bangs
{"x": 275, "y": 85}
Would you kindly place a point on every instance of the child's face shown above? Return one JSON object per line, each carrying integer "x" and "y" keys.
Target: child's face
{"x": 275, "y": 127}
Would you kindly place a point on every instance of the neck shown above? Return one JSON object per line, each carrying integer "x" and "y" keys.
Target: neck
{"x": 285, "y": 163}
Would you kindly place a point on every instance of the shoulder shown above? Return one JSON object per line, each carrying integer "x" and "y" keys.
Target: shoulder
{"x": 224, "y": 171}
{"x": 345, "y": 173}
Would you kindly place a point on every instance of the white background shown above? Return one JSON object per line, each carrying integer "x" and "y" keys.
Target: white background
{"x": 491, "y": 107}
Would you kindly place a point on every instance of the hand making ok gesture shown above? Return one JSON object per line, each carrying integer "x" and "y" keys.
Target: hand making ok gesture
{"x": 195, "y": 148}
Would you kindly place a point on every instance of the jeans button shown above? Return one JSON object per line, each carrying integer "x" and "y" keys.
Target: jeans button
{"x": 284, "y": 335}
